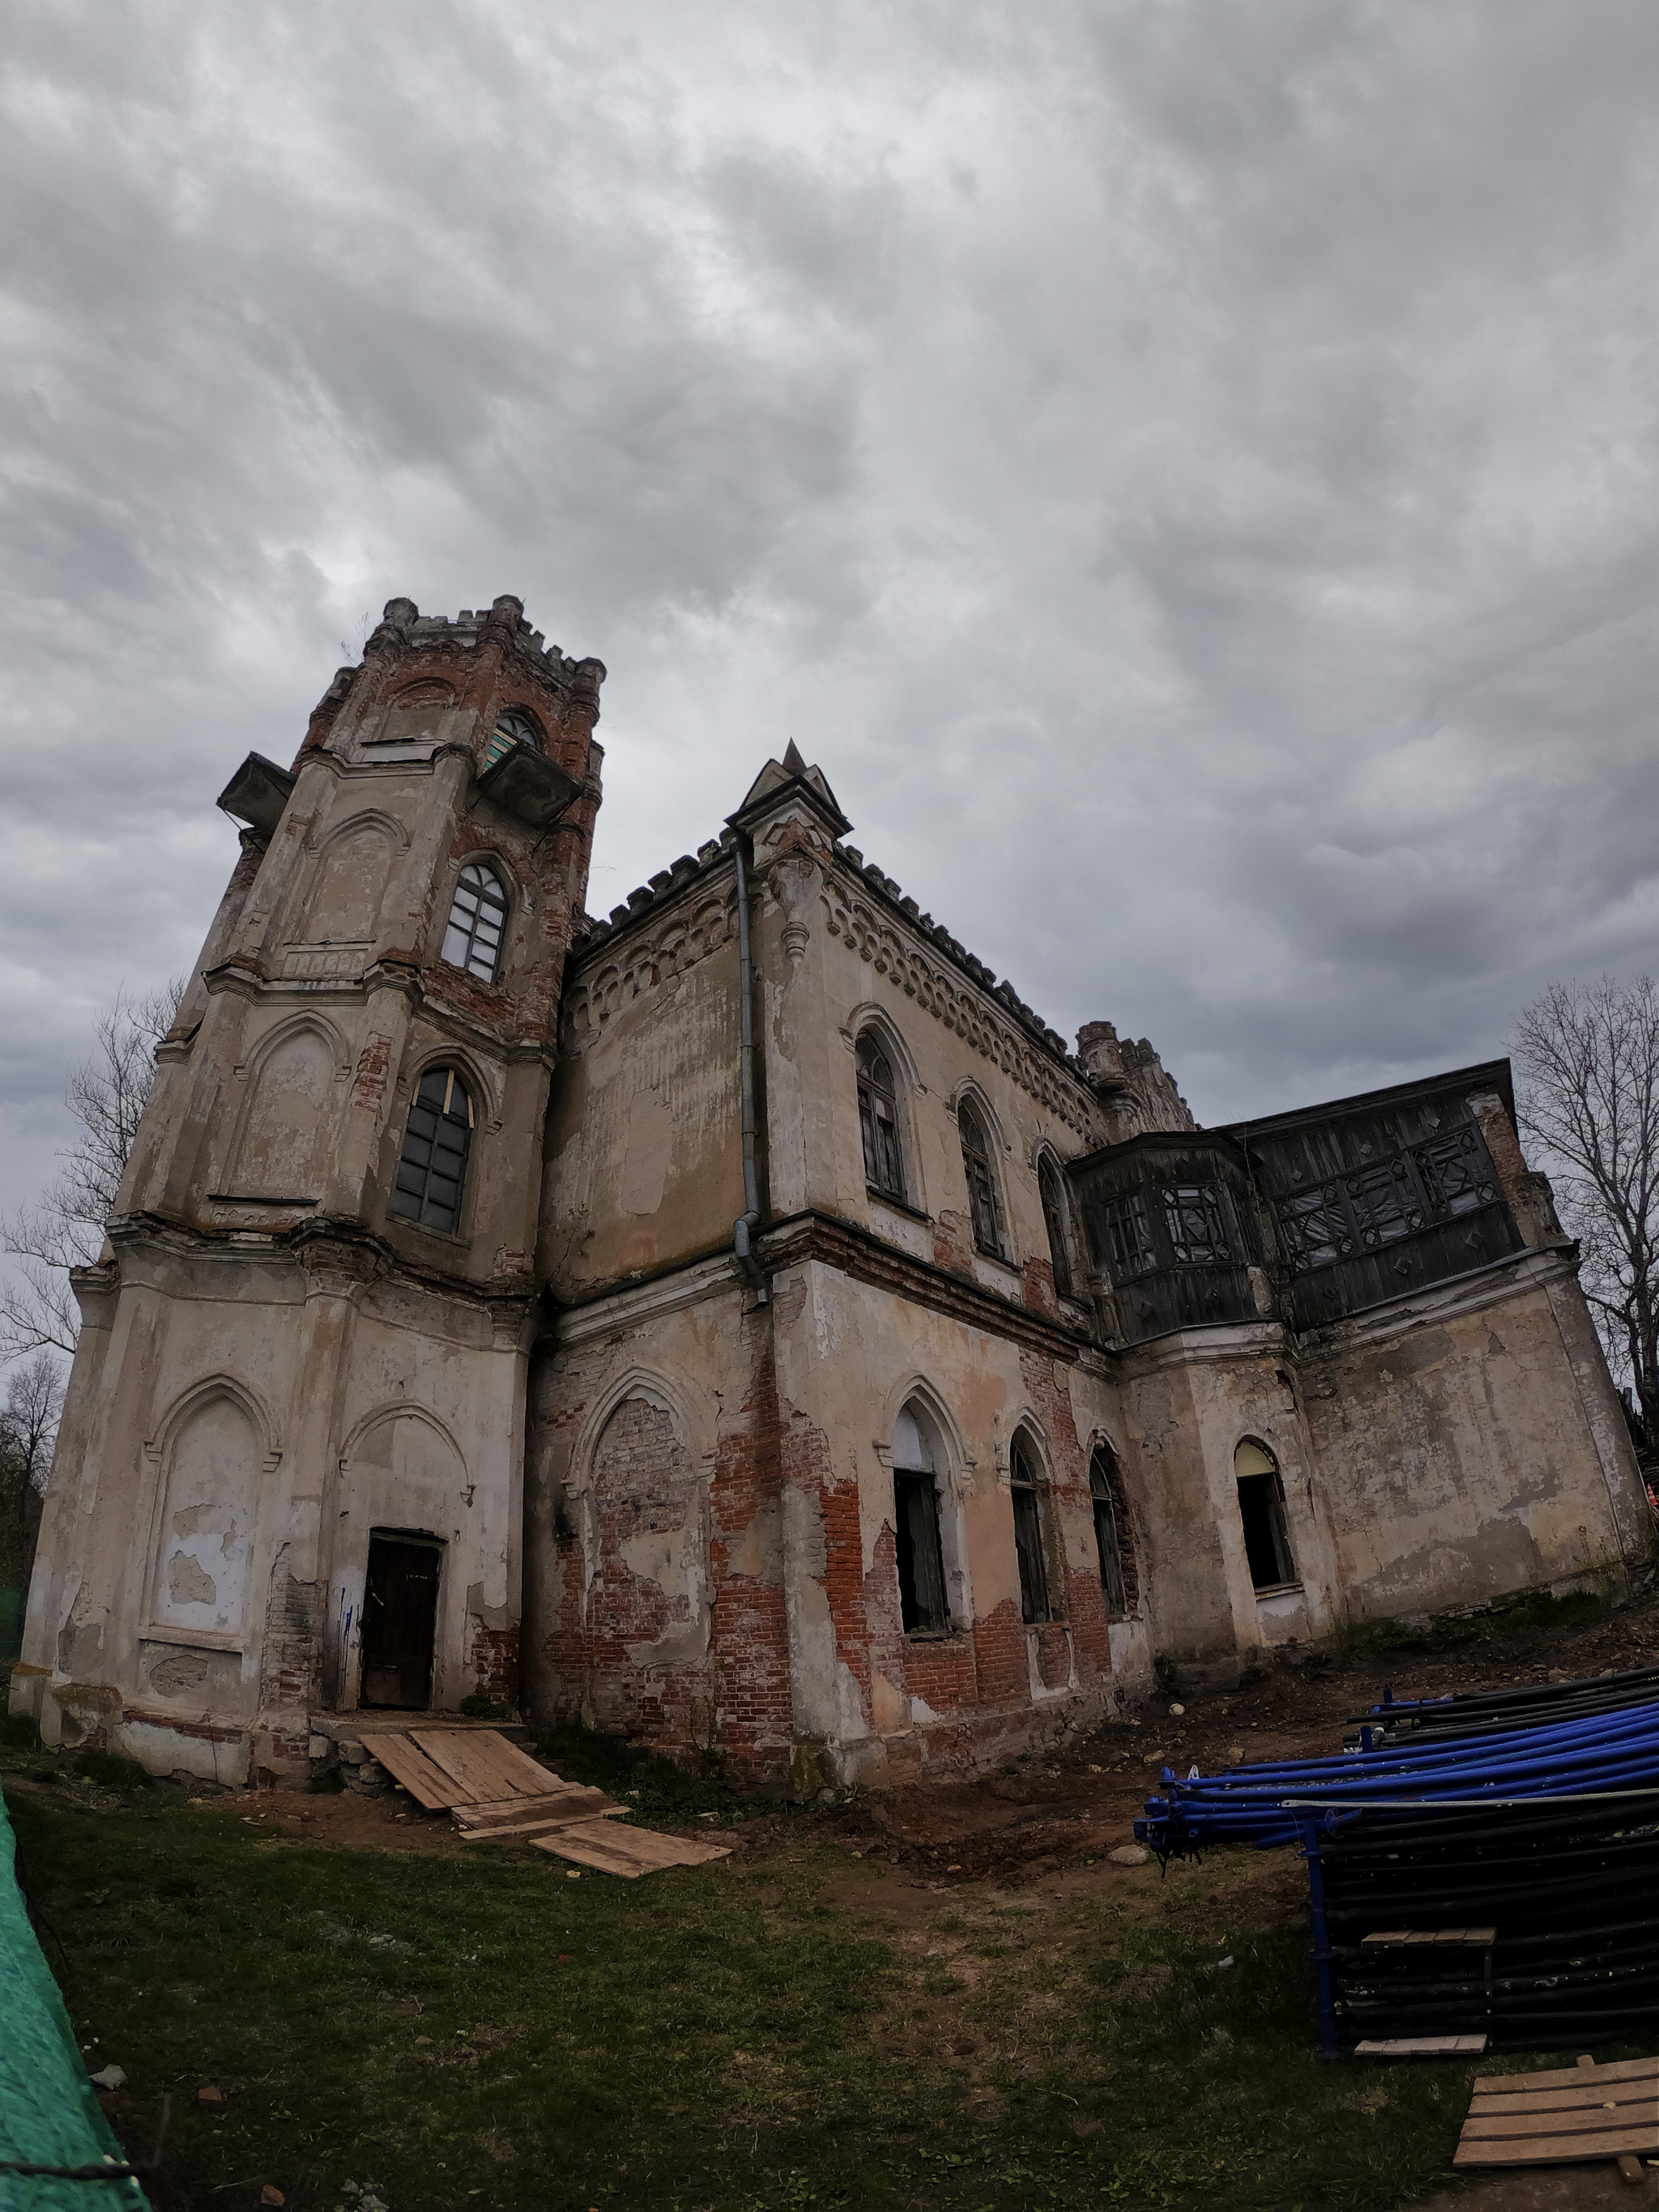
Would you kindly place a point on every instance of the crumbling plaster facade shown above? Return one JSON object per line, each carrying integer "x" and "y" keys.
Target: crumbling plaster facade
{"x": 662, "y": 1473}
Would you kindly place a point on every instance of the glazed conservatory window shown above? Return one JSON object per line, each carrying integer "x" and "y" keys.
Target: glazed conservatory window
{"x": 884, "y": 1168}
{"x": 477, "y": 918}
{"x": 1022, "y": 1480}
{"x": 436, "y": 1140}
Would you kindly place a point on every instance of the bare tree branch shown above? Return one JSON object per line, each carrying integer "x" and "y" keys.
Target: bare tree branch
{"x": 106, "y": 1094}
{"x": 1588, "y": 1104}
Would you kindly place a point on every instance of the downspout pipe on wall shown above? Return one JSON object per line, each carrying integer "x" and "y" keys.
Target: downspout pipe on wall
{"x": 748, "y": 1221}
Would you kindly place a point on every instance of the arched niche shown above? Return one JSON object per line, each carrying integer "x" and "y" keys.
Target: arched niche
{"x": 211, "y": 1461}
{"x": 287, "y": 1122}
{"x": 648, "y": 1568}
{"x": 349, "y": 883}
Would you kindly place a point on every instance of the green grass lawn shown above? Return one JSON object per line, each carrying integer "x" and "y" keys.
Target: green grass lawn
{"x": 486, "y": 2031}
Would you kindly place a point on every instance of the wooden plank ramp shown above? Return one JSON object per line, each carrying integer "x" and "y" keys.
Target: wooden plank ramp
{"x": 405, "y": 1762}
{"x": 1569, "y": 2115}
{"x": 495, "y": 1793}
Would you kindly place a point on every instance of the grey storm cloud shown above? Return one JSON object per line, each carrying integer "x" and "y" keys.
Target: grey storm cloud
{"x": 1187, "y": 473}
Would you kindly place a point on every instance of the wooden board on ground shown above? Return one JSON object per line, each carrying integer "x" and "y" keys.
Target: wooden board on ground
{"x": 1567, "y": 2117}
{"x": 485, "y": 1764}
{"x": 1422, "y": 2046}
{"x": 526, "y": 1816}
{"x": 405, "y": 1762}
{"x": 1450, "y": 1938}
{"x": 629, "y": 1852}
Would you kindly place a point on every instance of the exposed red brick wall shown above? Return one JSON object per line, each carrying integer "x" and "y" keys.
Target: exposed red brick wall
{"x": 1078, "y": 1595}
{"x": 494, "y": 1658}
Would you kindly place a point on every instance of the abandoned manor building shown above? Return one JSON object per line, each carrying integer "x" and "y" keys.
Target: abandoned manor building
{"x": 741, "y": 1322}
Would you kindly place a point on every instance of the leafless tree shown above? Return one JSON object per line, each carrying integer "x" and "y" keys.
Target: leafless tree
{"x": 28, "y": 1433}
{"x": 1587, "y": 1102}
{"x": 106, "y": 1094}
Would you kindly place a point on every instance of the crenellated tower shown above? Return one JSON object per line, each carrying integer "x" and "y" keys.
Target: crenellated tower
{"x": 299, "y": 1395}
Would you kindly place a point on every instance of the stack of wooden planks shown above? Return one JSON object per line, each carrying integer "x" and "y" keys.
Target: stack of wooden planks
{"x": 1568, "y": 2115}
{"x": 494, "y": 1792}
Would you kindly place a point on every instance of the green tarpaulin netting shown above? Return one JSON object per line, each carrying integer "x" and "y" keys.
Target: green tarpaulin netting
{"x": 49, "y": 2114}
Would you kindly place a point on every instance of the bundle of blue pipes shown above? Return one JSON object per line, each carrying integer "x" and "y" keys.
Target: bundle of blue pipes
{"x": 1593, "y": 1753}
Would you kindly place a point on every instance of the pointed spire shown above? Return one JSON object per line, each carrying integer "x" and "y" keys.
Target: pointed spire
{"x": 793, "y": 761}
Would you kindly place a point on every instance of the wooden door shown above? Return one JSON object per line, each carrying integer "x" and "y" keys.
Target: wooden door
{"x": 400, "y": 1619}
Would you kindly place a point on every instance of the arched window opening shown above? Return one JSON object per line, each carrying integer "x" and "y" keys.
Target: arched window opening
{"x": 512, "y": 728}
{"x": 884, "y": 1164}
{"x": 915, "y": 1515}
{"x": 1261, "y": 1510}
{"x": 1052, "y": 1195}
{"x": 981, "y": 1183}
{"x": 478, "y": 919}
{"x": 1109, "y": 1537}
{"x": 436, "y": 1140}
{"x": 1024, "y": 1481}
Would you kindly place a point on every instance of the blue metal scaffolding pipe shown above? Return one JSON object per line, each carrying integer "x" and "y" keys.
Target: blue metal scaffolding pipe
{"x": 1248, "y": 1804}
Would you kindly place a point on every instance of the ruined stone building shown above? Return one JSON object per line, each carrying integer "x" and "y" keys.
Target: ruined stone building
{"x": 742, "y": 1322}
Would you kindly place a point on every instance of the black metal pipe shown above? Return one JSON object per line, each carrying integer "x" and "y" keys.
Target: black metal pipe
{"x": 748, "y": 1220}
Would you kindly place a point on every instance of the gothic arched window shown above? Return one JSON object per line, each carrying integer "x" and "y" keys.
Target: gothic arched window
{"x": 982, "y": 1182}
{"x": 1109, "y": 1536}
{"x": 919, "y": 1555}
{"x": 1024, "y": 1480}
{"x": 1261, "y": 1511}
{"x": 1053, "y": 1194}
{"x": 436, "y": 1140}
{"x": 477, "y": 918}
{"x": 884, "y": 1164}
{"x": 512, "y": 728}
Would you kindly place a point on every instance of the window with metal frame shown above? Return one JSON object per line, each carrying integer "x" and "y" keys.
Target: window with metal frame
{"x": 512, "y": 728}
{"x": 1128, "y": 1237}
{"x": 477, "y": 920}
{"x": 1261, "y": 1511}
{"x": 1052, "y": 1192}
{"x": 1025, "y": 1481}
{"x": 883, "y": 1162}
{"x": 982, "y": 1181}
{"x": 437, "y": 1138}
{"x": 1456, "y": 1171}
{"x": 921, "y": 1556}
{"x": 1192, "y": 1214}
{"x": 1109, "y": 1541}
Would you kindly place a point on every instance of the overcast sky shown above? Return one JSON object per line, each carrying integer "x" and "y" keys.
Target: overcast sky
{"x": 1186, "y": 472}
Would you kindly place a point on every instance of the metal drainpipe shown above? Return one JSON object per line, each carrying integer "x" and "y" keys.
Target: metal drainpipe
{"x": 747, "y": 1223}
